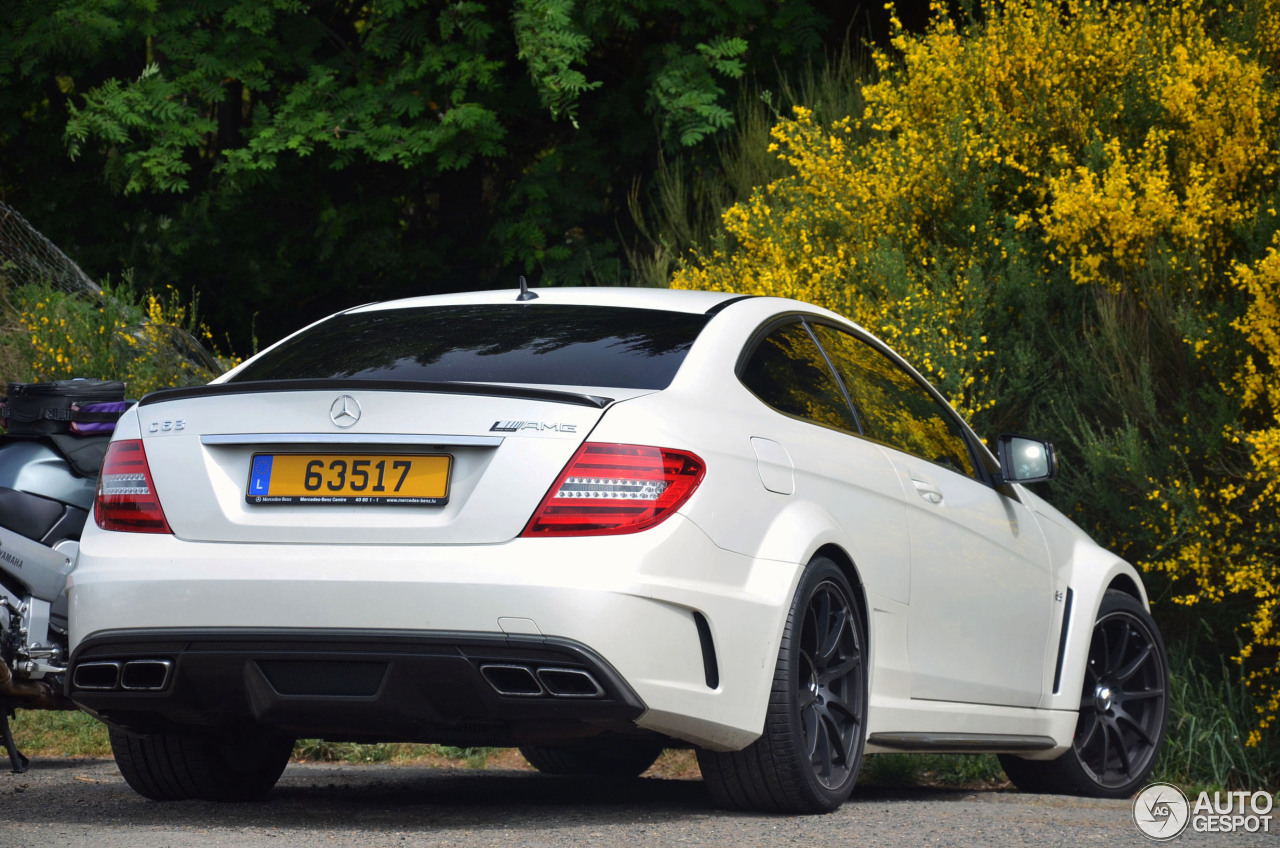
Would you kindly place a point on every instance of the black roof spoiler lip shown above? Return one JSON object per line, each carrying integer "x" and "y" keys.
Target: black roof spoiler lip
{"x": 346, "y": 385}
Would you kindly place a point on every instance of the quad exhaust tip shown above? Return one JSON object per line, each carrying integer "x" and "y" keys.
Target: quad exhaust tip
{"x": 521, "y": 681}
{"x": 98, "y": 676}
{"x": 512, "y": 680}
{"x": 570, "y": 683}
{"x": 147, "y": 675}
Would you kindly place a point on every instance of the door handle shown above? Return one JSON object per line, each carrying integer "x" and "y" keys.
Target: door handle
{"x": 927, "y": 491}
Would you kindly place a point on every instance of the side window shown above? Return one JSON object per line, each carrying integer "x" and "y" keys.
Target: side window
{"x": 788, "y": 372}
{"x": 894, "y": 408}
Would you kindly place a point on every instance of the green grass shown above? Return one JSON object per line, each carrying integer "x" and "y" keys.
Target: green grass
{"x": 318, "y": 750}
{"x": 59, "y": 734}
{"x": 896, "y": 771}
{"x": 77, "y": 734}
{"x": 1211, "y": 714}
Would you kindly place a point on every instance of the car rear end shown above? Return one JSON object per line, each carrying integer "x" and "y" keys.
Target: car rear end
{"x": 397, "y": 525}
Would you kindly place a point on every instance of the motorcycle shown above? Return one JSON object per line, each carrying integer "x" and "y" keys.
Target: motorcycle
{"x": 57, "y": 434}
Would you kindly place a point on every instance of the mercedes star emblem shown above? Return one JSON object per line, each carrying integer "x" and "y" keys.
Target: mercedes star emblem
{"x": 344, "y": 412}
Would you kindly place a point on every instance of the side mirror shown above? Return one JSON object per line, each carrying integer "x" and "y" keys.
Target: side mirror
{"x": 1026, "y": 460}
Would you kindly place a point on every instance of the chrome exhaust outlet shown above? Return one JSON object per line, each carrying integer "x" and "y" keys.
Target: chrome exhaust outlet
{"x": 145, "y": 675}
{"x": 570, "y": 683}
{"x": 512, "y": 680}
{"x": 96, "y": 676}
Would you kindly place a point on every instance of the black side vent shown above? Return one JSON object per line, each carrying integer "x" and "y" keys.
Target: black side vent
{"x": 320, "y": 679}
{"x": 709, "y": 665}
{"x": 1062, "y": 641}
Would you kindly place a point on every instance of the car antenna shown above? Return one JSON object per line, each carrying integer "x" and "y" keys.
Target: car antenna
{"x": 525, "y": 294}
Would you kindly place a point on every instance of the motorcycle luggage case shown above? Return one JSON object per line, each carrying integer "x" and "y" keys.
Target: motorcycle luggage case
{"x": 62, "y": 406}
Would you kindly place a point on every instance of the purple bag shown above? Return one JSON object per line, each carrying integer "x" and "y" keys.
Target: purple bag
{"x": 96, "y": 419}
{"x": 62, "y": 407}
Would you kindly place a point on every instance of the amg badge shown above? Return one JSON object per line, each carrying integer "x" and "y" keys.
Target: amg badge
{"x": 516, "y": 426}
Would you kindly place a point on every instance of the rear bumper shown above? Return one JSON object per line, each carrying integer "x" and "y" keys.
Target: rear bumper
{"x": 658, "y": 612}
{"x": 364, "y": 686}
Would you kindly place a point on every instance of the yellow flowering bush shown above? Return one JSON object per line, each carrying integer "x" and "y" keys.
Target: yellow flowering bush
{"x": 56, "y": 336}
{"x": 837, "y": 236}
{"x": 1064, "y": 207}
{"x": 1226, "y": 541}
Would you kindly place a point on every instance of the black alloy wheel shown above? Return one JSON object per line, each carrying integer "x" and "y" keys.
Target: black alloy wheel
{"x": 1124, "y": 702}
{"x": 808, "y": 757}
{"x": 830, "y": 696}
{"x": 1124, "y": 707}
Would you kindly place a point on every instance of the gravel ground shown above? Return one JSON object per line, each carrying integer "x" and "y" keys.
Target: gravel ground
{"x": 86, "y": 803}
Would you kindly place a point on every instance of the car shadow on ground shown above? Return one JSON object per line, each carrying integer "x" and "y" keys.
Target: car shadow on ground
{"x": 391, "y": 798}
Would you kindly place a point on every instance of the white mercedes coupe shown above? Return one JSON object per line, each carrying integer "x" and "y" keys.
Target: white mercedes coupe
{"x": 595, "y": 523}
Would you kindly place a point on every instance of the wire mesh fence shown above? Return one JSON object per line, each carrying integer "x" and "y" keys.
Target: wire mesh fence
{"x": 27, "y": 257}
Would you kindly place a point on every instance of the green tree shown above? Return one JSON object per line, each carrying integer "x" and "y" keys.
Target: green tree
{"x": 273, "y": 152}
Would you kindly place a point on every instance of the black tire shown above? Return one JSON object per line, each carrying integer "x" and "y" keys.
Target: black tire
{"x": 175, "y": 767}
{"x": 618, "y": 758}
{"x": 808, "y": 758}
{"x": 1124, "y": 708}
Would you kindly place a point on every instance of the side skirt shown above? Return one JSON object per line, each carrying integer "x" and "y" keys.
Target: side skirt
{"x": 954, "y": 743}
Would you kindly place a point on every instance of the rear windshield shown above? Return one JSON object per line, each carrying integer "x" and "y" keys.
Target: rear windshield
{"x": 553, "y": 344}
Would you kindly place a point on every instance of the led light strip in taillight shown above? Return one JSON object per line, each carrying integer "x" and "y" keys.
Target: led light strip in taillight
{"x": 611, "y": 489}
{"x": 597, "y": 487}
{"x": 126, "y": 499}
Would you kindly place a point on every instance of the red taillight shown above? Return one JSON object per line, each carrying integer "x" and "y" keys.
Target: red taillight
{"x": 608, "y": 489}
{"x": 126, "y": 496}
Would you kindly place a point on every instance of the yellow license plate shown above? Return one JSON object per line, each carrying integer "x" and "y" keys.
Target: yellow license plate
{"x": 307, "y": 478}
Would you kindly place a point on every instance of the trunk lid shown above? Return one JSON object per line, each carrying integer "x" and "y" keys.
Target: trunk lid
{"x": 504, "y": 448}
